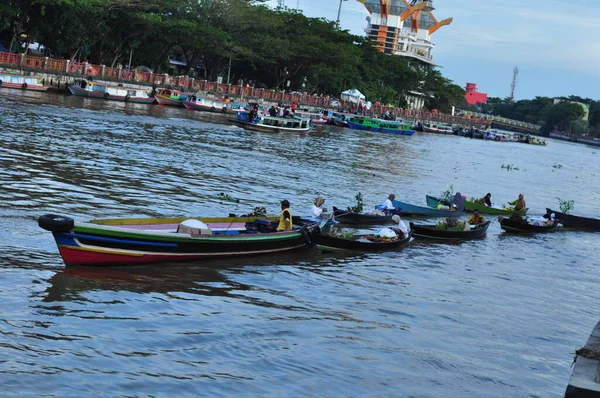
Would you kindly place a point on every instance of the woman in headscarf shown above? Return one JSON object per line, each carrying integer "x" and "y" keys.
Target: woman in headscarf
{"x": 317, "y": 208}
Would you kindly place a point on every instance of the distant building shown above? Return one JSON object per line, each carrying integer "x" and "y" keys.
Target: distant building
{"x": 403, "y": 27}
{"x": 472, "y": 96}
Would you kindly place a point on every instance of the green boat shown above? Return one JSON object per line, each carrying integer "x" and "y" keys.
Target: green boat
{"x": 471, "y": 206}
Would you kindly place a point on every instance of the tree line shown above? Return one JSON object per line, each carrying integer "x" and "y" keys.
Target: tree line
{"x": 243, "y": 39}
{"x": 564, "y": 114}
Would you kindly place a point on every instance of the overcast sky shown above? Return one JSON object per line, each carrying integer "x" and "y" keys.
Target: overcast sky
{"x": 555, "y": 43}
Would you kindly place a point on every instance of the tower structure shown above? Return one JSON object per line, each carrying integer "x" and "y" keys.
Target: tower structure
{"x": 513, "y": 86}
{"x": 403, "y": 27}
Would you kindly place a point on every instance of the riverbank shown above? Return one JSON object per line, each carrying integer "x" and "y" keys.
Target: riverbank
{"x": 59, "y": 73}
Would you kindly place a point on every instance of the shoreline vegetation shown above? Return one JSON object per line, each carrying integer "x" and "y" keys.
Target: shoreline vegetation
{"x": 246, "y": 43}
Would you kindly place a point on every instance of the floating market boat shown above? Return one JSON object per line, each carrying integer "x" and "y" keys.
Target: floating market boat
{"x": 447, "y": 211}
{"x": 380, "y": 125}
{"x": 271, "y": 124}
{"x": 577, "y": 222}
{"x": 349, "y": 217}
{"x": 526, "y": 225}
{"x": 165, "y": 96}
{"x": 84, "y": 88}
{"x": 471, "y": 206}
{"x": 105, "y": 242}
{"x": 8, "y": 80}
{"x": 327, "y": 241}
{"x": 433, "y": 232}
{"x": 211, "y": 105}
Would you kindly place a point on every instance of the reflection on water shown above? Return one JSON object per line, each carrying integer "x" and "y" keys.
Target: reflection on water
{"x": 495, "y": 317}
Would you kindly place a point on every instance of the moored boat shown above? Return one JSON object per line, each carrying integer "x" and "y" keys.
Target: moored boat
{"x": 84, "y": 88}
{"x": 271, "y": 124}
{"x": 211, "y": 105}
{"x": 379, "y": 125}
{"x": 431, "y": 127}
{"x": 577, "y": 222}
{"x": 433, "y": 232}
{"x": 497, "y": 135}
{"x": 165, "y": 96}
{"x": 526, "y": 225}
{"x": 315, "y": 118}
{"x": 105, "y": 242}
{"x": 327, "y": 241}
{"x": 8, "y": 80}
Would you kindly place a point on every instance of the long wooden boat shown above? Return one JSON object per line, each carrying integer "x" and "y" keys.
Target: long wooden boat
{"x": 471, "y": 206}
{"x": 271, "y": 124}
{"x": 362, "y": 243}
{"x": 380, "y": 125}
{"x": 105, "y": 242}
{"x": 84, "y": 88}
{"x": 413, "y": 210}
{"x": 165, "y": 96}
{"x": 578, "y": 222}
{"x": 8, "y": 80}
{"x": 511, "y": 225}
{"x": 432, "y": 232}
{"x": 211, "y": 105}
{"x": 347, "y": 217}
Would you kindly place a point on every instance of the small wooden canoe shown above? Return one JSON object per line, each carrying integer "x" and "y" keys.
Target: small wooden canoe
{"x": 511, "y": 225}
{"x": 347, "y": 217}
{"x": 326, "y": 242}
{"x": 412, "y": 210}
{"x": 471, "y": 206}
{"x": 578, "y": 222}
{"x": 432, "y": 232}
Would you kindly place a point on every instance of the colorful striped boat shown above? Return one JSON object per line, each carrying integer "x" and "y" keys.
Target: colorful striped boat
{"x": 166, "y": 96}
{"x": 22, "y": 82}
{"x": 105, "y": 242}
{"x": 84, "y": 88}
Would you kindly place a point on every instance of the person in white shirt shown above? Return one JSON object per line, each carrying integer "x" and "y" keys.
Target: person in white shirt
{"x": 317, "y": 208}
{"x": 388, "y": 205}
{"x": 401, "y": 226}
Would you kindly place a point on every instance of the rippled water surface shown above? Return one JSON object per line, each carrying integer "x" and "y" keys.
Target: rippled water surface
{"x": 500, "y": 317}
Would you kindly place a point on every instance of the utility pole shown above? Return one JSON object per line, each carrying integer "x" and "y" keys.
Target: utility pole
{"x": 337, "y": 22}
{"x": 513, "y": 86}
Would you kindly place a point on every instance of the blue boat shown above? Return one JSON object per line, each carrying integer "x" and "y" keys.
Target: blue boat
{"x": 380, "y": 125}
{"x": 412, "y": 210}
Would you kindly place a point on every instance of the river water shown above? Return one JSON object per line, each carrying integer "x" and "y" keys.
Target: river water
{"x": 500, "y": 317}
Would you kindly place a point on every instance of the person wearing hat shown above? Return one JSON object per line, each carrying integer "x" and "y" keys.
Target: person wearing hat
{"x": 317, "y": 208}
{"x": 401, "y": 226}
{"x": 285, "y": 218}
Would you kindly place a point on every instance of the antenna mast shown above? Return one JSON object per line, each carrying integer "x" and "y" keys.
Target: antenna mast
{"x": 514, "y": 83}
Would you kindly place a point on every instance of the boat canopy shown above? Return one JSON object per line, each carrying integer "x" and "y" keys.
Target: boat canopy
{"x": 352, "y": 95}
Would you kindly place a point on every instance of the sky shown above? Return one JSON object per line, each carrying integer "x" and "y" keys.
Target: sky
{"x": 555, "y": 43}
